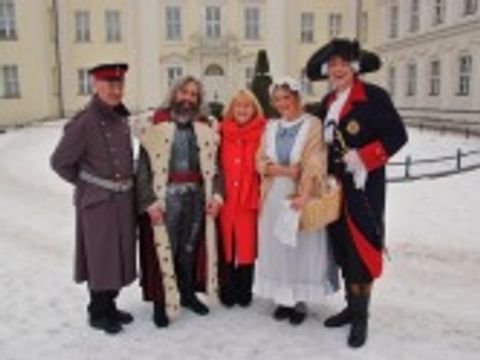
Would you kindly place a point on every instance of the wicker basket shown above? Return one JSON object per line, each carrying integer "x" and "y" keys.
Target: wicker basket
{"x": 324, "y": 209}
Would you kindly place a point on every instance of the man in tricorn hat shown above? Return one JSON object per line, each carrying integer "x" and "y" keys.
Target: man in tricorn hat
{"x": 95, "y": 155}
{"x": 362, "y": 130}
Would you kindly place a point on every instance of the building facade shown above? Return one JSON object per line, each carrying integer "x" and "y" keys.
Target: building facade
{"x": 46, "y": 47}
{"x": 431, "y": 54}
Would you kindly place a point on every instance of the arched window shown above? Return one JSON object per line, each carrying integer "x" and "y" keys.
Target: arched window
{"x": 214, "y": 70}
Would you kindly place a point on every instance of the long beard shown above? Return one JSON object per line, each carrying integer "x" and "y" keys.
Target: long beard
{"x": 184, "y": 112}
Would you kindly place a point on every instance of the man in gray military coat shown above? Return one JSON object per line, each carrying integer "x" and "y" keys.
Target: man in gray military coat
{"x": 95, "y": 155}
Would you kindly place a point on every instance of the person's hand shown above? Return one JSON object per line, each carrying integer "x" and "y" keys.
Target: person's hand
{"x": 293, "y": 172}
{"x": 155, "y": 214}
{"x": 355, "y": 166}
{"x": 213, "y": 207}
{"x": 298, "y": 202}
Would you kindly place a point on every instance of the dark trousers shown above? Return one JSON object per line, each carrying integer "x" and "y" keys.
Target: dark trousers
{"x": 184, "y": 218}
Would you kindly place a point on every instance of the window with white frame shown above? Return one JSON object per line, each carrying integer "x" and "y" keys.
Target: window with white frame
{"x": 411, "y": 79}
{"x": 394, "y": 21}
{"x": 173, "y": 73}
{"x": 334, "y": 25}
{"x": 465, "y": 63}
{"x": 435, "y": 77}
{"x": 364, "y": 28}
{"x": 7, "y": 20}
{"x": 249, "y": 74}
{"x": 470, "y": 7}
{"x": 84, "y": 83}
{"x": 252, "y": 23}
{"x": 438, "y": 12}
{"x": 173, "y": 16}
{"x": 306, "y": 84}
{"x": 414, "y": 15}
{"x": 9, "y": 81}
{"x": 82, "y": 26}
{"x": 307, "y": 24}
{"x": 213, "y": 22}
{"x": 112, "y": 21}
{"x": 392, "y": 76}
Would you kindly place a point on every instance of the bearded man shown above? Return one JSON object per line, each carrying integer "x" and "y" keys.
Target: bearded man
{"x": 176, "y": 180}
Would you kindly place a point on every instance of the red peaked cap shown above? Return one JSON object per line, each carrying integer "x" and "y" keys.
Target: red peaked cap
{"x": 109, "y": 72}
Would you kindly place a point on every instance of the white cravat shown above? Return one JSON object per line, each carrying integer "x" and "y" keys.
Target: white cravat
{"x": 333, "y": 115}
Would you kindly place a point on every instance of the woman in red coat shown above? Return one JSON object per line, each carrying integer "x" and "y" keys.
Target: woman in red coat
{"x": 240, "y": 131}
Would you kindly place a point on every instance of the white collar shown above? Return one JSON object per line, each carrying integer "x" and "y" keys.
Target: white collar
{"x": 291, "y": 123}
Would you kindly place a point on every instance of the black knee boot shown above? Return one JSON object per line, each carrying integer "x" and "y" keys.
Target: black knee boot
{"x": 100, "y": 313}
{"x": 359, "y": 305}
{"x": 345, "y": 316}
{"x": 186, "y": 285}
{"x": 244, "y": 280}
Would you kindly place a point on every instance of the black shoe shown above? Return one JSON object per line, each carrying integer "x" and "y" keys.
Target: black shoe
{"x": 282, "y": 312}
{"x": 107, "y": 324}
{"x": 227, "y": 298}
{"x": 160, "y": 318}
{"x": 342, "y": 318}
{"x": 123, "y": 317}
{"x": 358, "y": 332}
{"x": 297, "y": 317}
{"x": 245, "y": 300}
{"x": 195, "y": 305}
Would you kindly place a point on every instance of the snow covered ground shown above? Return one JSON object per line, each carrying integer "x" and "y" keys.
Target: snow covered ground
{"x": 425, "y": 307}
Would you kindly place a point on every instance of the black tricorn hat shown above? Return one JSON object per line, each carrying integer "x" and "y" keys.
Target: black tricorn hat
{"x": 348, "y": 50}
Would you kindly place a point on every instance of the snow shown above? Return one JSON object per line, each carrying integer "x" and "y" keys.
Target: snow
{"x": 426, "y": 305}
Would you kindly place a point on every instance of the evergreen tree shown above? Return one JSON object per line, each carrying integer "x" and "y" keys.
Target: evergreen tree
{"x": 261, "y": 83}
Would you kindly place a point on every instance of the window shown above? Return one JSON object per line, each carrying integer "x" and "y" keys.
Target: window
{"x": 249, "y": 74}
{"x": 470, "y": 7}
{"x": 438, "y": 12}
{"x": 84, "y": 83}
{"x": 7, "y": 20}
{"x": 364, "y": 28}
{"x": 307, "y": 22}
{"x": 173, "y": 23}
{"x": 435, "y": 78}
{"x": 252, "y": 23}
{"x": 394, "y": 21}
{"x": 112, "y": 20}
{"x": 334, "y": 25}
{"x": 213, "y": 22}
{"x": 415, "y": 16}
{"x": 411, "y": 79}
{"x": 173, "y": 73}
{"x": 82, "y": 26}
{"x": 465, "y": 75}
{"x": 307, "y": 87}
{"x": 392, "y": 80}
{"x": 9, "y": 81}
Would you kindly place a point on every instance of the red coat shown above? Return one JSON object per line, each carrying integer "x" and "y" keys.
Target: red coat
{"x": 238, "y": 216}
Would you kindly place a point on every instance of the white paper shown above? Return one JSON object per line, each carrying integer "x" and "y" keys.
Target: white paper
{"x": 286, "y": 226}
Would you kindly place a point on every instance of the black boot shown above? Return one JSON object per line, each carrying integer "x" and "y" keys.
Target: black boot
{"x": 282, "y": 312}
{"x": 121, "y": 316}
{"x": 186, "y": 284}
{"x": 160, "y": 318}
{"x": 344, "y": 317}
{"x": 227, "y": 291}
{"x": 244, "y": 280}
{"x": 100, "y": 314}
{"x": 359, "y": 330}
